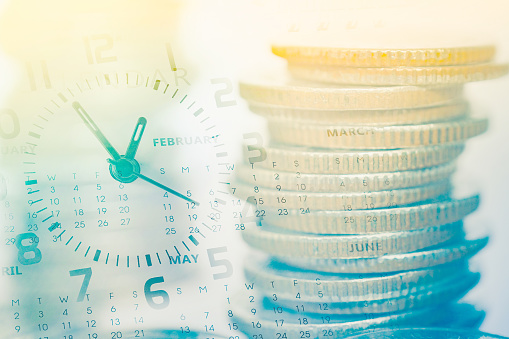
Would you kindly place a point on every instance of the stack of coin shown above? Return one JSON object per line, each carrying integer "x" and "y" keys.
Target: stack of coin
{"x": 353, "y": 192}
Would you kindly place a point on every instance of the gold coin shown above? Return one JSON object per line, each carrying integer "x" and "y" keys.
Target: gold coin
{"x": 346, "y": 57}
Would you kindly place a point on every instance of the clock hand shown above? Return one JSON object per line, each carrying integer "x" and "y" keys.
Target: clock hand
{"x": 131, "y": 150}
{"x": 131, "y": 167}
{"x": 95, "y": 129}
{"x": 166, "y": 188}
{"x": 136, "y": 138}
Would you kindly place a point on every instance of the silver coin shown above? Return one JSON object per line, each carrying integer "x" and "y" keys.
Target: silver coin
{"x": 269, "y": 320}
{"x": 373, "y": 221}
{"x": 139, "y": 333}
{"x": 288, "y": 282}
{"x": 370, "y": 182}
{"x": 308, "y": 201}
{"x": 343, "y": 136}
{"x": 322, "y": 160}
{"x": 448, "y": 111}
{"x": 444, "y": 291}
{"x": 282, "y": 91}
{"x": 424, "y": 333}
{"x": 278, "y": 242}
{"x": 446, "y": 253}
{"x": 174, "y": 334}
{"x": 466, "y": 316}
{"x": 388, "y": 76}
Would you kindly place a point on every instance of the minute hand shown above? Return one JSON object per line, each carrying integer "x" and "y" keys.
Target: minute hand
{"x": 95, "y": 130}
{"x": 166, "y": 188}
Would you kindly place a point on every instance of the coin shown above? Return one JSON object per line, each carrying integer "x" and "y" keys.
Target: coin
{"x": 348, "y": 57}
{"x": 370, "y": 182}
{"x": 289, "y": 283}
{"x": 279, "y": 242}
{"x": 162, "y": 333}
{"x": 271, "y": 321}
{"x": 447, "y": 111}
{"x": 372, "y": 221}
{"x": 375, "y": 137}
{"x": 353, "y": 191}
{"x": 459, "y": 315}
{"x": 307, "y": 201}
{"x": 424, "y": 333}
{"x": 469, "y": 320}
{"x": 445, "y": 253}
{"x": 322, "y": 160}
{"x": 296, "y": 94}
{"x": 445, "y": 291}
{"x": 388, "y": 76}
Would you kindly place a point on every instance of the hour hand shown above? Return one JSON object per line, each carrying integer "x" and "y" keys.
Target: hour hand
{"x": 95, "y": 130}
{"x": 136, "y": 138}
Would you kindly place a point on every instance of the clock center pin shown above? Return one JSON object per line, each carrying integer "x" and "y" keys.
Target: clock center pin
{"x": 123, "y": 169}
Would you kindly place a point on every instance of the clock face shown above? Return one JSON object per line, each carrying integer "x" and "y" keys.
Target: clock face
{"x": 125, "y": 171}
{"x": 125, "y": 194}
